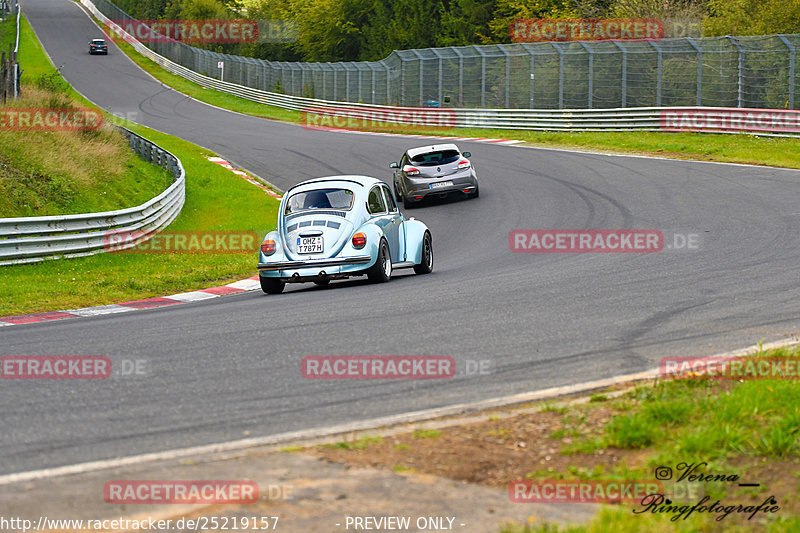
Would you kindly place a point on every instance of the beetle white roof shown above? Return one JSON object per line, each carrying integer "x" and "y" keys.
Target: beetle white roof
{"x": 317, "y": 183}
{"x": 432, "y": 148}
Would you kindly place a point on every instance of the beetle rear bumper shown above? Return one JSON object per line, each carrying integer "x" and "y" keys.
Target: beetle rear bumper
{"x": 314, "y": 263}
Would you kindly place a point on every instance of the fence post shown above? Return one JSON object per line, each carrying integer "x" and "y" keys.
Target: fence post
{"x": 388, "y": 84}
{"x": 740, "y": 77}
{"x": 441, "y": 73}
{"x": 372, "y": 68}
{"x": 460, "y": 76}
{"x": 792, "y": 51}
{"x": 483, "y": 75}
{"x": 508, "y": 75}
{"x": 421, "y": 76}
{"x": 527, "y": 48}
{"x": 699, "y": 71}
{"x": 624, "y": 74}
{"x": 659, "y": 72}
{"x": 591, "y": 73}
{"x": 560, "y": 75}
{"x": 402, "y": 81}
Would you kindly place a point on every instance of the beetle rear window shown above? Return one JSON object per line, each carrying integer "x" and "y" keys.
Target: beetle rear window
{"x": 320, "y": 199}
{"x": 440, "y": 157}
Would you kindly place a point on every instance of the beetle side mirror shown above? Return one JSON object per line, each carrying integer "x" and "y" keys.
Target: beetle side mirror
{"x": 394, "y": 165}
{"x": 467, "y": 154}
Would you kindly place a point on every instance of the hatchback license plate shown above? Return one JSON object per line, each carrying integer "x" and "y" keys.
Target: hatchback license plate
{"x": 309, "y": 245}
{"x": 441, "y": 184}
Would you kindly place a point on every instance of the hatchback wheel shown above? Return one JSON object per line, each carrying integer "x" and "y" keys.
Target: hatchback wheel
{"x": 426, "y": 264}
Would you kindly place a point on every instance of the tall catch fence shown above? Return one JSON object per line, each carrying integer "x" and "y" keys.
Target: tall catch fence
{"x": 749, "y": 72}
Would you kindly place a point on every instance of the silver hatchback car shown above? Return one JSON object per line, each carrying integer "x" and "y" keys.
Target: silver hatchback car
{"x": 434, "y": 171}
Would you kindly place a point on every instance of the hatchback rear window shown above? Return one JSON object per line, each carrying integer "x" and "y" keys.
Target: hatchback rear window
{"x": 440, "y": 157}
{"x": 98, "y": 41}
{"x": 320, "y": 199}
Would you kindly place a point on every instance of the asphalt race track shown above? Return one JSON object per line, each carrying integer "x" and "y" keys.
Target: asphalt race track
{"x": 230, "y": 367}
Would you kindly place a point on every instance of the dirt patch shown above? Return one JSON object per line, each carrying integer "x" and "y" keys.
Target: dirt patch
{"x": 539, "y": 445}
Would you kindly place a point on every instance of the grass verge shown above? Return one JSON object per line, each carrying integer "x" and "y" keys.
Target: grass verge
{"x": 751, "y": 149}
{"x": 216, "y": 200}
{"x": 68, "y": 172}
{"x": 745, "y": 428}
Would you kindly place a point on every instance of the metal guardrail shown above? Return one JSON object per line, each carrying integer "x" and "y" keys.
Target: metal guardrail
{"x": 616, "y": 119}
{"x": 31, "y": 239}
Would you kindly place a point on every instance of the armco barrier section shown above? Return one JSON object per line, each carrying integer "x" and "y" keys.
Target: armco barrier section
{"x": 30, "y": 239}
{"x": 616, "y": 119}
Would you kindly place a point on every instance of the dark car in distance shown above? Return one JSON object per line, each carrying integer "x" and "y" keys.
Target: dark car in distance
{"x": 98, "y": 46}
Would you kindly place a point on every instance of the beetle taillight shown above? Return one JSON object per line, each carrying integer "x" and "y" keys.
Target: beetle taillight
{"x": 359, "y": 240}
{"x": 463, "y": 164}
{"x": 268, "y": 247}
{"x": 411, "y": 171}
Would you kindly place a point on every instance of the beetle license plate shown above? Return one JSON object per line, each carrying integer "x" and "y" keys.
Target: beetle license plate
{"x": 309, "y": 245}
{"x": 441, "y": 184}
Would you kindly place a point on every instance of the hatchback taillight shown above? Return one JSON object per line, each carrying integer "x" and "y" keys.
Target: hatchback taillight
{"x": 463, "y": 164}
{"x": 411, "y": 171}
{"x": 359, "y": 241}
{"x": 268, "y": 247}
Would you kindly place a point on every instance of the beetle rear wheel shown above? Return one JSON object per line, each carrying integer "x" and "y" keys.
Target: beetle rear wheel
{"x": 381, "y": 271}
{"x": 426, "y": 264}
{"x": 272, "y": 285}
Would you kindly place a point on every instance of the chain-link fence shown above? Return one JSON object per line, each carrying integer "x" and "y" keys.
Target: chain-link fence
{"x": 755, "y": 72}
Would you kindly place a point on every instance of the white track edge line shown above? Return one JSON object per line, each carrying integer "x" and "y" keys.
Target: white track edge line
{"x": 414, "y": 416}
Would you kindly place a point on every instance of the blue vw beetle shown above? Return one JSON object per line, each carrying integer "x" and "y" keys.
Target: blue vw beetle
{"x": 341, "y": 226}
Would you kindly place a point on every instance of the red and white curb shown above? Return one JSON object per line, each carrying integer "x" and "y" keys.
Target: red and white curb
{"x": 472, "y": 139}
{"x": 226, "y": 164}
{"x": 245, "y": 285}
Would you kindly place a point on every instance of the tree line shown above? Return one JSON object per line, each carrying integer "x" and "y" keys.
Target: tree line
{"x": 368, "y": 30}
